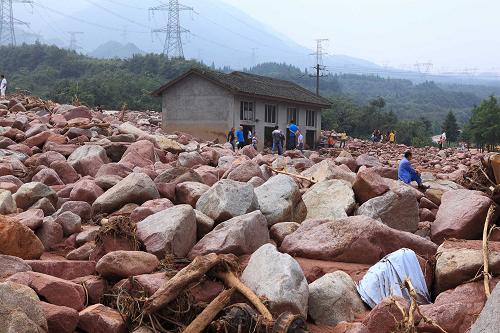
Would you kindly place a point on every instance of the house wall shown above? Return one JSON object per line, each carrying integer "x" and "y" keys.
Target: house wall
{"x": 197, "y": 106}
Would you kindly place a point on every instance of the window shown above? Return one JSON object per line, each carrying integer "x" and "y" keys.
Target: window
{"x": 311, "y": 118}
{"x": 247, "y": 111}
{"x": 271, "y": 114}
{"x": 291, "y": 114}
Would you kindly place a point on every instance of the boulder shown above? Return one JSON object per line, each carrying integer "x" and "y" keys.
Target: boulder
{"x": 385, "y": 317}
{"x": 333, "y": 298}
{"x": 48, "y": 177}
{"x": 461, "y": 215}
{"x": 45, "y": 205}
{"x": 135, "y": 188}
{"x": 315, "y": 269}
{"x": 190, "y": 159}
{"x": 10, "y": 265}
{"x": 95, "y": 286}
{"x": 20, "y": 310}
{"x": 18, "y": 240}
{"x": 50, "y": 234}
{"x": 245, "y": 171}
{"x": 7, "y": 203}
{"x": 77, "y": 112}
{"x": 63, "y": 269}
{"x": 329, "y": 199}
{"x": 100, "y": 318}
{"x": 356, "y": 239}
{"x": 279, "y": 231}
{"x": 123, "y": 264}
{"x": 396, "y": 210}
{"x": 30, "y": 193}
{"x": 278, "y": 278}
{"x": 65, "y": 171}
{"x": 368, "y": 161}
{"x": 171, "y": 231}
{"x": 489, "y": 319}
{"x": 60, "y": 319}
{"x": 87, "y": 159}
{"x": 204, "y": 224}
{"x": 80, "y": 208}
{"x": 140, "y": 153}
{"x": 189, "y": 192}
{"x": 85, "y": 190}
{"x": 81, "y": 253}
{"x": 239, "y": 235}
{"x": 70, "y": 223}
{"x": 368, "y": 185}
{"x": 149, "y": 208}
{"x": 227, "y": 199}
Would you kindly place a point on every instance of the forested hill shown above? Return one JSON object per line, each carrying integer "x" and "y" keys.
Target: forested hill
{"x": 60, "y": 74}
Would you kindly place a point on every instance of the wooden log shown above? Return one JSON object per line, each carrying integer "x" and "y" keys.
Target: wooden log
{"x": 186, "y": 276}
{"x": 233, "y": 282}
{"x": 486, "y": 259}
{"x": 199, "y": 324}
{"x": 293, "y": 175}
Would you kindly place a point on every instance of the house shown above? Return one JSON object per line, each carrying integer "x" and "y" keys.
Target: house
{"x": 208, "y": 103}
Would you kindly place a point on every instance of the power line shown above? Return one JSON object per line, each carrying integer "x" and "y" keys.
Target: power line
{"x": 8, "y": 21}
{"x": 173, "y": 31}
{"x": 116, "y": 14}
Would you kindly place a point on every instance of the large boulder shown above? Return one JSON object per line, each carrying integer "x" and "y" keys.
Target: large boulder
{"x": 20, "y": 310}
{"x": 7, "y": 203}
{"x": 461, "y": 215}
{"x": 87, "y": 159}
{"x": 489, "y": 319}
{"x": 326, "y": 170}
{"x": 85, "y": 190}
{"x": 18, "y": 240}
{"x": 30, "y": 193}
{"x": 123, "y": 264}
{"x": 99, "y": 318}
{"x": 227, "y": 199}
{"x": 397, "y": 210}
{"x": 368, "y": 185}
{"x": 10, "y": 265}
{"x": 458, "y": 261}
{"x": 333, "y": 298}
{"x": 149, "y": 208}
{"x": 355, "y": 239}
{"x": 239, "y": 235}
{"x": 279, "y": 231}
{"x": 278, "y": 278}
{"x": 135, "y": 188}
{"x": 279, "y": 200}
{"x": 171, "y": 231}
{"x": 140, "y": 153}
{"x": 329, "y": 199}
{"x": 50, "y": 234}
{"x": 190, "y": 159}
{"x": 368, "y": 161}
{"x": 245, "y": 171}
{"x": 60, "y": 319}
{"x": 190, "y": 192}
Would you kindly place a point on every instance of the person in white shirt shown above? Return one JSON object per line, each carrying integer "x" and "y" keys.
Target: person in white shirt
{"x": 3, "y": 86}
{"x": 442, "y": 140}
{"x": 300, "y": 141}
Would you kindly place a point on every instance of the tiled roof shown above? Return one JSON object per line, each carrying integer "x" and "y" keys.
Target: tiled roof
{"x": 255, "y": 85}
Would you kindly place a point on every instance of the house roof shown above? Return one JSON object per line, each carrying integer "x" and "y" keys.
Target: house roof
{"x": 254, "y": 86}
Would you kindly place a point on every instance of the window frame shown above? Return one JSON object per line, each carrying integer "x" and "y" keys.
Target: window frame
{"x": 289, "y": 118}
{"x": 273, "y": 111}
{"x": 311, "y": 118}
{"x": 245, "y": 108}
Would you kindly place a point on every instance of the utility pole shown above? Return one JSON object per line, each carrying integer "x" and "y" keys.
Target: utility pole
{"x": 320, "y": 52}
{"x": 173, "y": 39}
{"x": 73, "y": 42}
{"x": 7, "y": 21}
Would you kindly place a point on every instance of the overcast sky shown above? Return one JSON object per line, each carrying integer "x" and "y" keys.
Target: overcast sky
{"x": 452, "y": 34}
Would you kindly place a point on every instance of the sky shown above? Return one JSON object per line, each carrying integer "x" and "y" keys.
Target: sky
{"x": 454, "y": 35}
{"x": 451, "y": 34}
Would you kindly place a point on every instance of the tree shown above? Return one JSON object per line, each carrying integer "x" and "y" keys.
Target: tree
{"x": 484, "y": 125}
{"x": 450, "y": 126}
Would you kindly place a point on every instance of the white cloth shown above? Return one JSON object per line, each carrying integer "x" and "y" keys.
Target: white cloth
{"x": 3, "y": 87}
{"x": 385, "y": 278}
{"x": 301, "y": 139}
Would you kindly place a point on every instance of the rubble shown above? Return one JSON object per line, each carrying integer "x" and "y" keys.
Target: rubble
{"x": 110, "y": 224}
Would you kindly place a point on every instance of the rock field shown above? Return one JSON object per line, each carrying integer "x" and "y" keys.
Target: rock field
{"x": 101, "y": 214}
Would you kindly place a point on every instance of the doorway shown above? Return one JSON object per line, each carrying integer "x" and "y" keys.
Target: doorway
{"x": 246, "y": 129}
{"x": 310, "y": 139}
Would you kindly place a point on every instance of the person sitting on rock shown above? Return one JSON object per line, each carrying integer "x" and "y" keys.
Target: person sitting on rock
{"x": 406, "y": 172}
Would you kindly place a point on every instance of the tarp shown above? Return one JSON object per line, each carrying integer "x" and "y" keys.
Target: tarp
{"x": 386, "y": 277}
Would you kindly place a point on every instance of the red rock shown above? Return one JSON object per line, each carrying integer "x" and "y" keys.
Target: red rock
{"x": 66, "y": 173}
{"x": 149, "y": 208}
{"x": 245, "y": 171}
{"x": 190, "y": 159}
{"x": 48, "y": 177}
{"x": 140, "y": 153}
{"x": 32, "y": 218}
{"x": 314, "y": 269}
{"x": 368, "y": 185}
{"x": 426, "y": 215}
{"x": 385, "y": 316}
{"x": 461, "y": 215}
{"x": 206, "y": 291}
{"x": 114, "y": 169}
{"x": 64, "y": 269}
{"x": 18, "y": 240}
{"x": 148, "y": 283}
{"x": 85, "y": 190}
{"x": 110, "y": 243}
{"x": 10, "y": 265}
{"x": 54, "y": 290}
{"x": 95, "y": 286}
{"x": 63, "y": 149}
{"x": 101, "y": 319}
{"x": 80, "y": 208}
{"x": 37, "y": 140}
{"x": 189, "y": 192}
{"x": 122, "y": 264}
{"x": 87, "y": 159}
{"x": 50, "y": 234}
{"x": 60, "y": 319}
{"x": 81, "y": 253}
{"x": 21, "y": 148}
{"x": 77, "y": 112}
{"x": 208, "y": 174}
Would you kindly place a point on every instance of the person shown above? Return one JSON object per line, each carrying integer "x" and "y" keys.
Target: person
{"x": 254, "y": 141}
{"x": 277, "y": 140}
{"x": 392, "y": 137}
{"x": 300, "y": 141}
{"x": 3, "y": 86}
{"x": 98, "y": 108}
{"x": 406, "y": 172}
{"x": 240, "y": 137}
{"x": 249, "y": 137}
{"x": 442, "y": 140}
{"x": 292, "y": 143}
{"x": 331, "y": 141}
{"x": 343, "y": 139}
{"x": 231, "y": 138}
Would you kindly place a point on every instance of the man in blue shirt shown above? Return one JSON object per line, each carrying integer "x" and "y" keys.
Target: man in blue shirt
{"x": 240, "y": 137}
{"x": 292, "y": 143}
{"x": 407, "y": 174}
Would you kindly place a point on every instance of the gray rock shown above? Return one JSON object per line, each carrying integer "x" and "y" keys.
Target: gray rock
{"x": 239, "y": 235}
{"x": 70, "y": 223}
{"x": 30, "y": 193}
{"x": 333, "y": 298}
{"x": 135, "y": 188}
{"x": 45, "y": 205}
{"x": 7, "y": 203}
{"x": 489, "y": 319}
{"x": 279, "y": 278}
{"x": 170, "y": 231}
{"x": 10, "y": 265}
{"x": 50, "y": 234}
{"x": 397, "y": 210}
{"x": 20, "y": 310}
{"x": 88, "y": 234}
{"x": 327, "y": 170}
{"x": 227, "y": 199}
{"x": 329, "y": 199}
{"x": 279, "y": 231}
{"x": 204, "y": 224}
{"x": 279, "y": 199}
{"x": 87, "y": 159}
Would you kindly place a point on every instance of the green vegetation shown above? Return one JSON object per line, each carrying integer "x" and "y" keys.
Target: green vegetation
{"x": 450, "y": 126}
{"x": 484, "y": 126}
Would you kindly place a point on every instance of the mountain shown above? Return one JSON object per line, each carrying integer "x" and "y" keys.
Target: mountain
{"x": 113, "y": 49}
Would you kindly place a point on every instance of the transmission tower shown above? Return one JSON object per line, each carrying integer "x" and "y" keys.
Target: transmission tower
{"x": 7, "y": 21}
{"x": 320, "y": 52}
{"x": 173, "y": 30}
{"x": 73, "y": 42}
{"x": 424, "y": 67}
